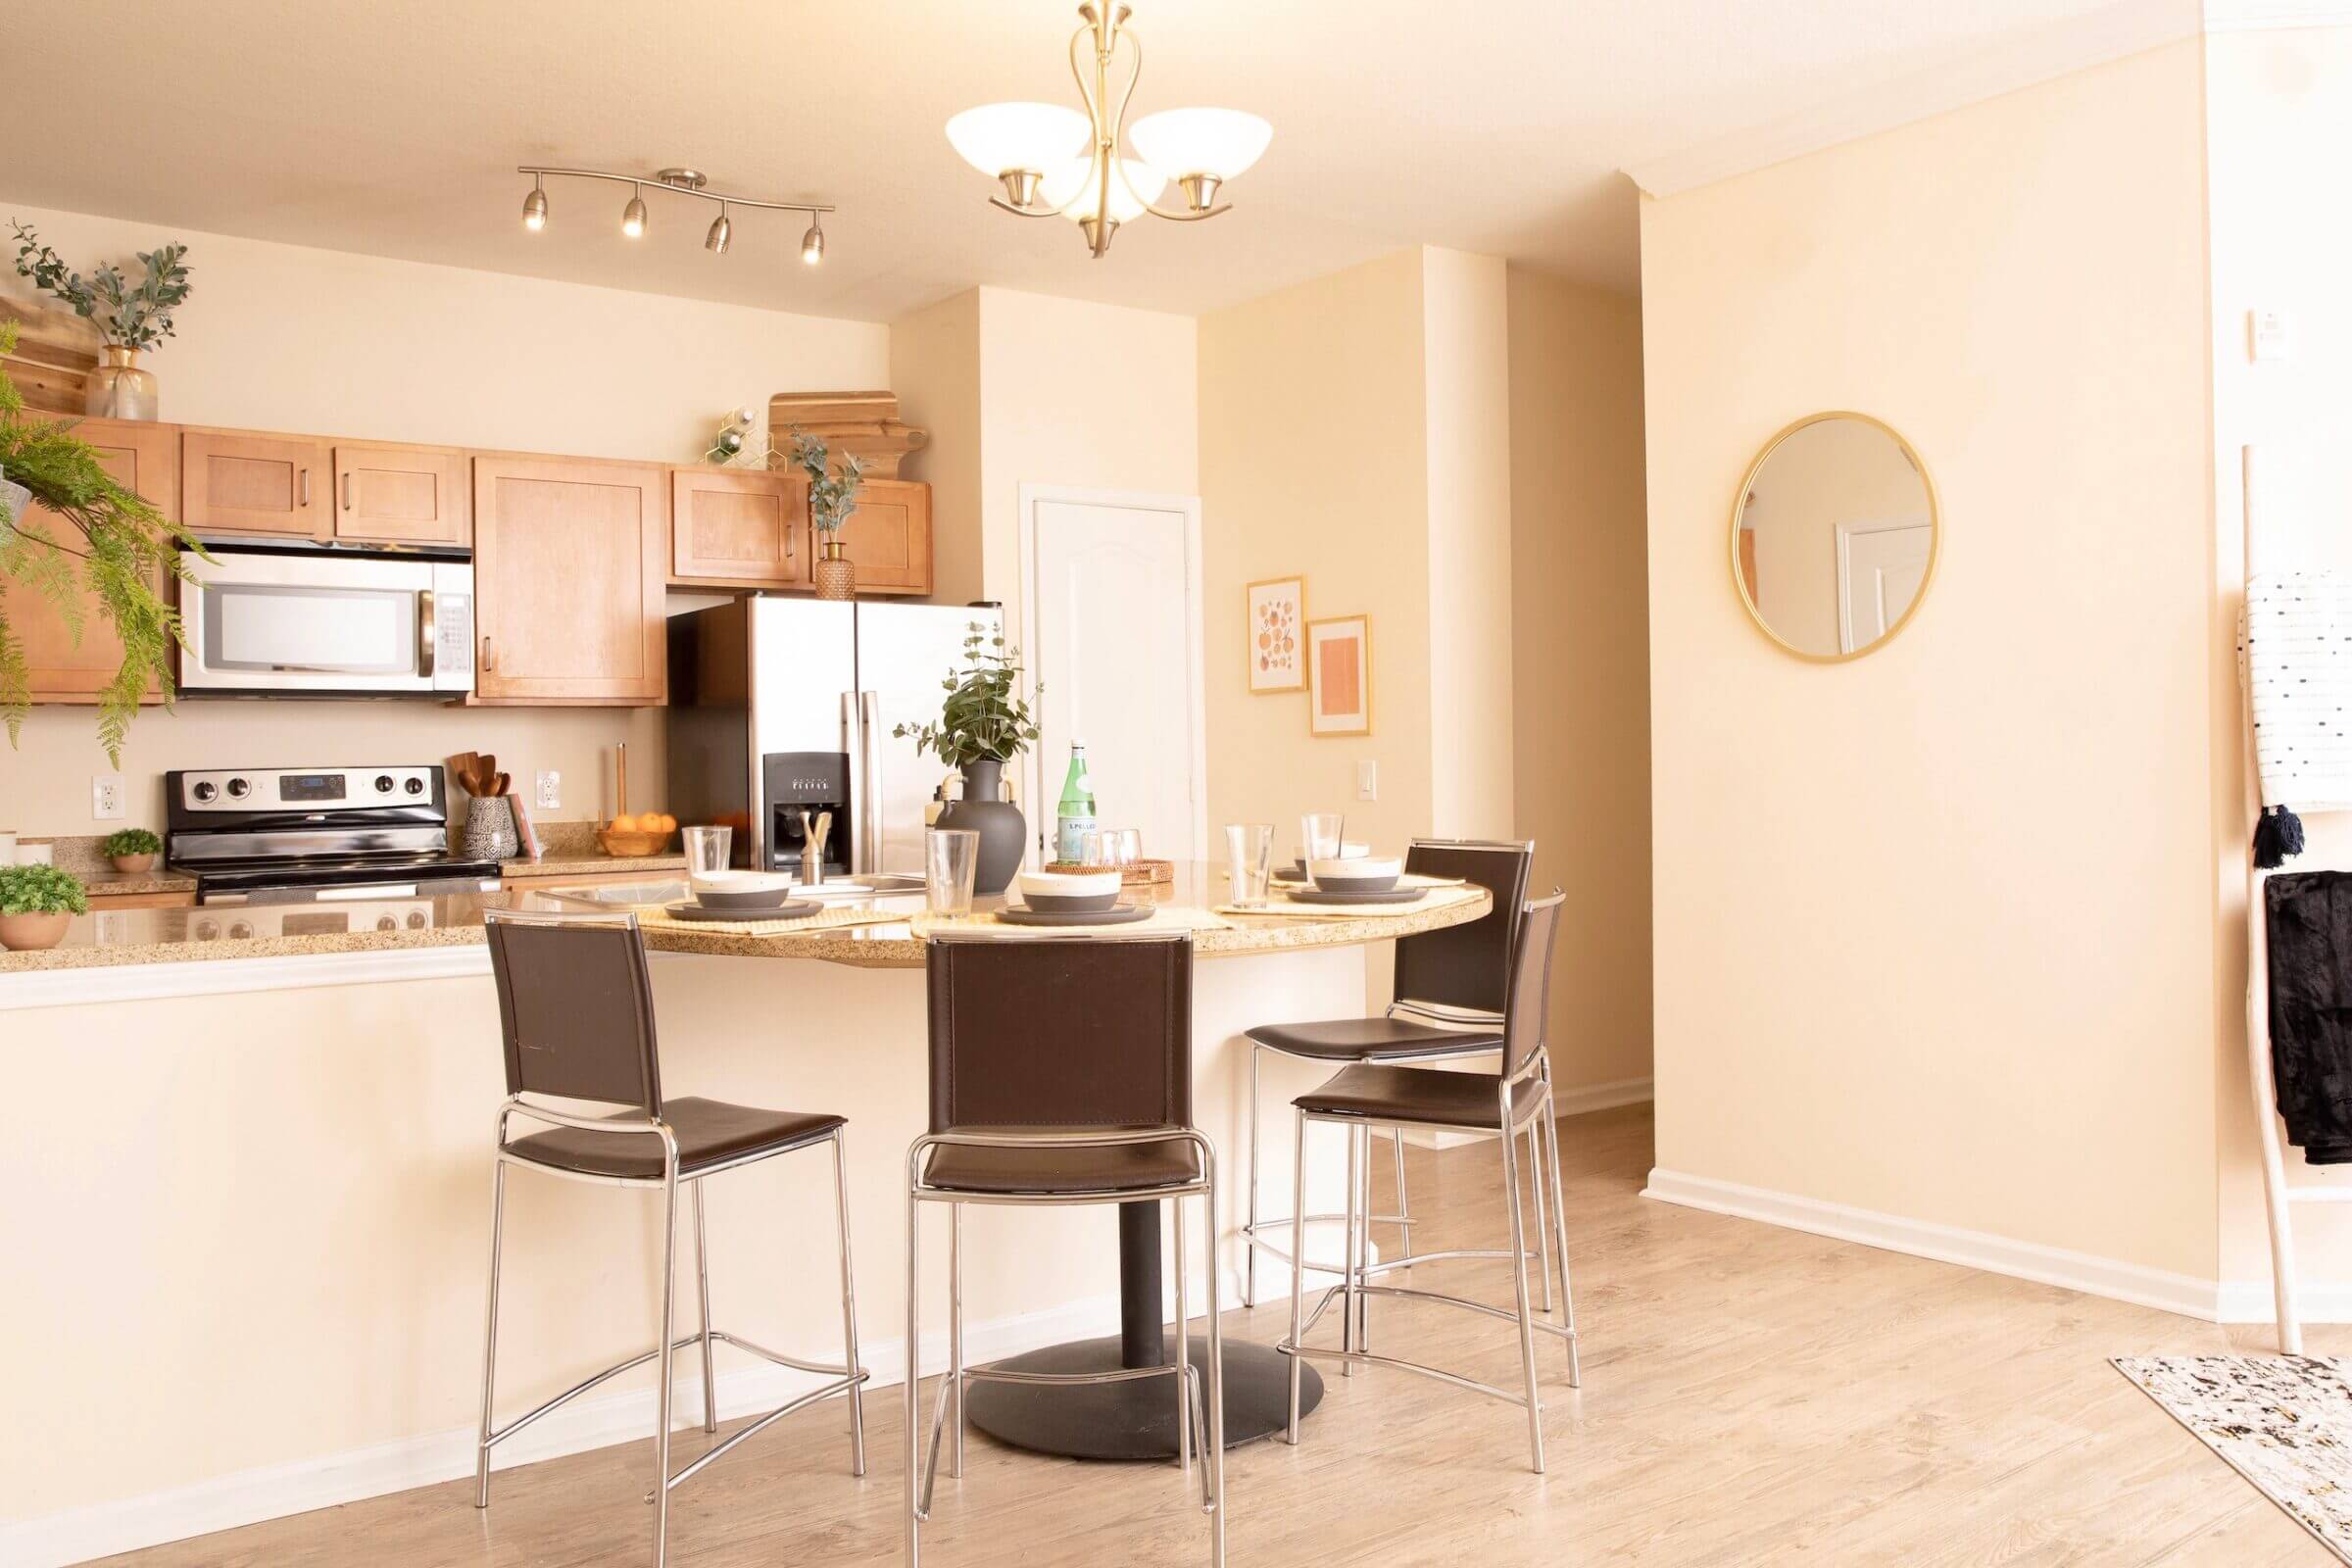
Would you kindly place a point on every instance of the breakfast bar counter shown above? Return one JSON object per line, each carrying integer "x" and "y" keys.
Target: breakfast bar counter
{"x": 295, "y": 1105}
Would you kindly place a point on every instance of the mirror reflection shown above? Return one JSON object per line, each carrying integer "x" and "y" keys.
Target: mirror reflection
{"x": 1834, "y": 535}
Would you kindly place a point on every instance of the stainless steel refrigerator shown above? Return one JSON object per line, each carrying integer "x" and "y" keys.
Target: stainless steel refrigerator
{"x": 780, "y": 707}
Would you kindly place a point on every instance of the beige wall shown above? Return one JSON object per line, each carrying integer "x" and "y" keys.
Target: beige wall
{"x": 2276, "y": 101}
{"x": 1980, "y": 992}
{"x": 1580, "y": 700}
{"x": 1315, "y": 462}
{"x": 935, "y": 370}
{"x": 287, "y": 338}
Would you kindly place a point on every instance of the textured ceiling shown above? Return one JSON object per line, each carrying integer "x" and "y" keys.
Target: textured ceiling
{"x": 393, "y": 128}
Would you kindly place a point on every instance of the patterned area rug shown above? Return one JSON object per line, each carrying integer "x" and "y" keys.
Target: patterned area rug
{"x": 2283, "y": 1422}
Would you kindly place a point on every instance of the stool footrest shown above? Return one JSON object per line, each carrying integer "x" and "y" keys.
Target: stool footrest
{"x": 840, "y": 1385}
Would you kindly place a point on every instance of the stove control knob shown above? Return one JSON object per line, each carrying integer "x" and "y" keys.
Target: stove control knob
{"x": 240, "y": 930}
{"x": 384, "y": 922}
{"x": 417, "y": 920}
{"x": 238, "y": 789}
{"x": 207, "y": 930}
{"x": 383, "y": 783}
{"x": 414, "y": 786}
{"x": 204, "y": 790}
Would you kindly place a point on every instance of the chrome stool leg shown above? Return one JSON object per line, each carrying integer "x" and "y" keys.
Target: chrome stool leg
{"x": 955, "y": 1376}
{"x": 498, "y": 1215}
{"x": 1559, "y": 1221}
{"x": 1534, "y": 1171}
{"x": 1184, "y": 1348}
{"x": 915, "y": 1375}
{"x": 1404, "y": 1210}
{"x": 1215, "y": 1466}
{"x": 1250, "y": 1230}
{"x": 702, "y": 1280}
{"x": 848, "y": 1310}
{"x": 670, "y": 1309}
{"x": 1350, "y": 1278}
{"x": 1363, "y": 1252}
{"x": 1297, "y": 1266}
{"x": 1527, "y": 1329}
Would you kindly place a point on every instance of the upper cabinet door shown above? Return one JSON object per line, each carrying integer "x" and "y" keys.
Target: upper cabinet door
{"x": 254, "y": 484}
{"x": 570, "y": 559}
{"x": 888, "y": 538}
{"x": 403, "y": 494}
{"x": 739, "y": 527}
{"x": 68, "y": 669}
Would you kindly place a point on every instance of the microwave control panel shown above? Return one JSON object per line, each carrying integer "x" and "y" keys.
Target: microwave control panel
{"x": 453, "y": 634}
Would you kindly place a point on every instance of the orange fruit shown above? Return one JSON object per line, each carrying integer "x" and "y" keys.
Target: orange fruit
{"x": 624, "y": 824}
{"x": 669, "y": 824}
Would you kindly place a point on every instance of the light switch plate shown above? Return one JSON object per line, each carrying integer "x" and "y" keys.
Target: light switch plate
{"x": 2269, "y": 335}
{"x": 1367, "y": 781}
{"x": 551, "y": 789}
{"x": 106, "y": 796}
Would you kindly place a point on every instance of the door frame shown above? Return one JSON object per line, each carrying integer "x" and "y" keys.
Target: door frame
{"x": 1197, "y": 720}
{"x": 1847, "y": 532}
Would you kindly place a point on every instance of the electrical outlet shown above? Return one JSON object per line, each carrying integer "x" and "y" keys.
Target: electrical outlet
{"x": 1367, "y": 781}
{"x": 106, "y": 796}
{"x": 551, "y": 789}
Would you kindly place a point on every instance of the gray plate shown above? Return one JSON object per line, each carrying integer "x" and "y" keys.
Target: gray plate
{"x": 1390, "y": 895}
{"x": 785, "y": 911}
{"x": 1068, "y": 902}
{"x": 1122, "y": 914}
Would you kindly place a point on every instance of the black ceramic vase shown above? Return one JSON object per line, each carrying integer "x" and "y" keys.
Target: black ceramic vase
{"x": 1003, "y": 835}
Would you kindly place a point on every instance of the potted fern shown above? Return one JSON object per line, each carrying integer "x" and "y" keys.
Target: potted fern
{"x": 96, "y": 541}
{"x": 130, "y": 317}
{"x": 832, "y": 496}
{"x": 35, "y": 904}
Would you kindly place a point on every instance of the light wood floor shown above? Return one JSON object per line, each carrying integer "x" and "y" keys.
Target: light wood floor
{"x": 1753, "y": 1396}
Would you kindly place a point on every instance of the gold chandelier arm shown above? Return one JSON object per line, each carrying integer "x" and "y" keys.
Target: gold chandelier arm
{"x": 1118, "y": 129}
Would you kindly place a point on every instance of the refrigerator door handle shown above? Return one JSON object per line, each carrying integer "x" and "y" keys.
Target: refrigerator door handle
{"x": 869, "y": 724}
{"x": 853, "y": 746}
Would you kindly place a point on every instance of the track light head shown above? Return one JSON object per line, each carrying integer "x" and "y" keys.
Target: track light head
{"x": 721, "y": 233}
{"x": 632, "y": 217}
{"x": 534, "y": 206}
{"x": 812, "y": 244}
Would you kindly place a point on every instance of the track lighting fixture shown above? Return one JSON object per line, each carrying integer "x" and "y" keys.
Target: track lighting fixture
{"x": 718, "y": 240}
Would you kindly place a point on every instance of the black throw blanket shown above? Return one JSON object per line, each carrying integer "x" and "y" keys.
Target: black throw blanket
{"x": 2310, "y": 915}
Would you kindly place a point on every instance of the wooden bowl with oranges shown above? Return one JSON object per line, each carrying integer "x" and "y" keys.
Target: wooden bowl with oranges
{"x": 633, "y": 836}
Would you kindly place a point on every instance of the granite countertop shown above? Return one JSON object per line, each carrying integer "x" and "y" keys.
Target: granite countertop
{"x": 99, "y": 884}
{"x": 263, "y": 931}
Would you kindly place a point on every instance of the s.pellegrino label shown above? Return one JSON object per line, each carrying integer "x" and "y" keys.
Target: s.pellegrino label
{"x": 1074, "y": 817}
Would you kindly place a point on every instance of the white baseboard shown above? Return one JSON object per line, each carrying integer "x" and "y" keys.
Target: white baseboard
{"x": 744, "y": 1387}
{"x": 1574, "y": 1101}
{"x": 2316, "y": 1302}
{"x": 1948, "y": 1244}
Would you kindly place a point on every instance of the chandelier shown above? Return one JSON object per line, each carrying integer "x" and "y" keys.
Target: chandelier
{"x": 1057, "y": 162}
{"x": 683, "y": 183}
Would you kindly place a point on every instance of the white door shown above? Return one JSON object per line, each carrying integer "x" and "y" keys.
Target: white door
{"x": 1113, "y": 631}
{"x": 1880, "y": 571}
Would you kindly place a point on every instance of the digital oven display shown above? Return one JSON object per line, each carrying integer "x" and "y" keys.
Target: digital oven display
{"x": 306, "y": 787}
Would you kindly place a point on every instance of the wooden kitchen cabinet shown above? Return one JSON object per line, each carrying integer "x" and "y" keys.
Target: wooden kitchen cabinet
{"x": 739, "y": 528}
{"x": 888, "y": 538}
{"x": 570, "y": 561}
{"x": 403, "y": 494}
{"x": 239, "y": 483}
{"x": 146, "y": 458}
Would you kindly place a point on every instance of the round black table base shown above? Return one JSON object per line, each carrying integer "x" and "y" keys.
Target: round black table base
{"x": 1134, "y": 1419}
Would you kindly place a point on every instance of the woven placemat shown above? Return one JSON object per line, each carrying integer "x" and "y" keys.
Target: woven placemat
{"x": 832, "y": 919}
{"x": 1291, "y": 909}
{"x": 1172, "y": 918}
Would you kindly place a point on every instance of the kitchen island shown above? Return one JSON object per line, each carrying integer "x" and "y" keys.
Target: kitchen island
{"x": 302, "y": 1119}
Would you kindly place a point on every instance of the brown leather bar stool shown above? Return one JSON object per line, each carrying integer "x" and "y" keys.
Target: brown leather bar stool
{"x": 1449, "y": 989}
{"x": 1061, "y": 1072}
{"x": 1501, "y": 1106}
{"x": 576, "y": 1008}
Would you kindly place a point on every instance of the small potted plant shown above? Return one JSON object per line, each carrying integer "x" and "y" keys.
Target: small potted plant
{"x": 983, "y": 724}
{"x": 133, "y": 849}
{"x": 35, "y": 902}
{"x": 130, "y": 317}
{"x": 832, "y": 496}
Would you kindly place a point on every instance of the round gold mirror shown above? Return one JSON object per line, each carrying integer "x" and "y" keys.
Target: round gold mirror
{"x": 1834, "y": 536}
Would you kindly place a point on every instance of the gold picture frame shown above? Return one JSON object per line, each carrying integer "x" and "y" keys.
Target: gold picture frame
{"x": 1339, "y": 662}
{"x": 1272, "y": 618}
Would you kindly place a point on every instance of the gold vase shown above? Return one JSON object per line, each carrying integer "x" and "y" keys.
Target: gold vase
{"x": 834, "y": 574}
{"x": 119, "y": 389}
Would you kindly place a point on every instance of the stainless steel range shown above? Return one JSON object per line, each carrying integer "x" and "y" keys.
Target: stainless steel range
{"x": 297, "y": 835}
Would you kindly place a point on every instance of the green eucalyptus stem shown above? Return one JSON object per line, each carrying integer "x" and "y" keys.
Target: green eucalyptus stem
{"x": 984, "y": 719}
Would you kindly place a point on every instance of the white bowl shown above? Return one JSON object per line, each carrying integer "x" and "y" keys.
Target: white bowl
{"x": 1359, "y": 873}
{"x": 1349, "y": 850}
{"x": 1071, "y": 884}
{"x": 740, "y": 889}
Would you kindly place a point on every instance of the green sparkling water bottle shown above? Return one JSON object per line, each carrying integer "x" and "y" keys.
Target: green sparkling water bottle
{"x": 1074, "y": 817}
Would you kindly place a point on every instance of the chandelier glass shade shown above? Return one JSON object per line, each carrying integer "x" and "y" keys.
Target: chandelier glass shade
{"x": 1054, "y": 162}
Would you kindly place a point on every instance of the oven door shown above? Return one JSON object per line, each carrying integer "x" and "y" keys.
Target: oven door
{"x": 326, "y": 624}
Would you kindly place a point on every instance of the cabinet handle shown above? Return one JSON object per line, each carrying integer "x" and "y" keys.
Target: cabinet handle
{"x": 347, "y": 492}
{"x": 305, "y": 487}
{"x": 489, "y": 660}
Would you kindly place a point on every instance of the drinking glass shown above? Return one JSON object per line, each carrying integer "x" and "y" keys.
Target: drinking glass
{"x": 1319, "y": 837}
{"x": 951, "y": 860}
{"x": 1114, "y": 846}
{"x": 708, "y": 849}
{"x": 1248, "y": 859}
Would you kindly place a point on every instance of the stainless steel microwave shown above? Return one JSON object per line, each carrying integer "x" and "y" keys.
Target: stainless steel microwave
{"x": 288, "y": 617}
